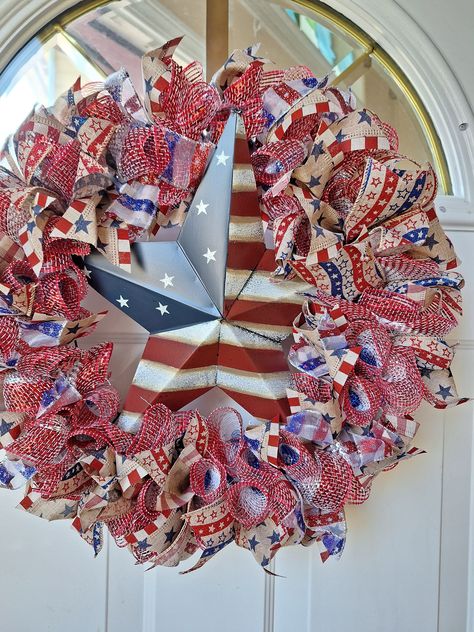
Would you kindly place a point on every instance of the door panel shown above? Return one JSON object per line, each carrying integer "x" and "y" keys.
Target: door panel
{"x": 49, "y": 579}
{"x": 387, "y": 578}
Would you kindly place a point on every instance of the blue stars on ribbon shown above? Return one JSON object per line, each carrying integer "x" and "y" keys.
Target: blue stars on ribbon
{"x": 311, "y": 364}
{"x": 142, "y": 545}
{"x": 48, "y": 397}
{"x": 74, "y": 329}
{"x": 417, "y": 236}
{"x": 431, "y": 242}
{"x": 414, "y": 194}
{"x": 72, "y": 471}
{"x": 269, "y": 118}
{"x": 265, "y": 560}
{"x": 314, "y": 182}
{"x": 250, "y": 52}
{"x": 49, "y": 328}
{"x": 5, "y": 427}
{"x": 300, "y": 519}
{"x": 364, "y": 117}
{"x": 28, "y": 471}
{"x": 82, "y": 224}
{"x": 355, "y": 400}
{"x": 253, "y": 543}
{"x": 369, "y": 356}
{"x": 148, "y": 85}
{"x": 312, "y": 82}
{"x": 115, "y": 91}
{"x": 254, "y": 444}
{"x": 333, "y": 543}
{"x": 274, "y": 537}
{"x": 169, "y": 535}
{"x": 425, "y": 372}
{"x": 68, "y": 511}
{"x": 437, "y": 281}
{"x": 137, "y": 205}
{"x": 444, "y": 392}
{"x": 97, "y": 537}
{"x": 78, "y": 122}
{"x": 335, "y": 277}
{"x": 215, "y": 549}
{"x": 5, "y": 476}
{"x": 327, "y": 417}
{"x": 276, "y": 167}
{"x": 317, "y": 149}
{"x": 70, "y": 97}
{"x": 171, "y": 139}
{"x": 339, "y": 353}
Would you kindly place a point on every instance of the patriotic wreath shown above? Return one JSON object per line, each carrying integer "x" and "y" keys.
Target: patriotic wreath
{"x": 323, "y": 360}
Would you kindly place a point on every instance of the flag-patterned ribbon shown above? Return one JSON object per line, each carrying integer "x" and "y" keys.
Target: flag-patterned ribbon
{"x": 342, "y": 210}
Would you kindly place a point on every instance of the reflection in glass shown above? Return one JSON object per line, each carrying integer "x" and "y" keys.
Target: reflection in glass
{"x": 289, "y": 37}
{"x": 378, "y": 92}
{"x": 117, "y": 34}
{"x": 39, "y": 74}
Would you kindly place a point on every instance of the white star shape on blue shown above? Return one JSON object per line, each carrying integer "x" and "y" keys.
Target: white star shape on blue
{"x": 123, "y": 302}
{"x": 163, "y": 309}
{"x": 195, "y": 287}
{"x": 167, "y": 280}
{"x": 210, "y": 255}
{"x": 222, "y": 159}
{"x": 202, "y": 208}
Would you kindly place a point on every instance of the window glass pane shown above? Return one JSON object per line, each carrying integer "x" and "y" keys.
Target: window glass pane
{"x": 377, "y": 91}
{"x": 289, "y": 37}
{"x": 118, "y": 33}
{"x": 38, "y": 74}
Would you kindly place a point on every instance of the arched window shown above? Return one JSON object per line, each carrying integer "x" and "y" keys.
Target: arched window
{"x": 96, "y": 37}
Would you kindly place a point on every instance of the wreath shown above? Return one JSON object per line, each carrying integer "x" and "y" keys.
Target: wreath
{"x": 178, "y": 208}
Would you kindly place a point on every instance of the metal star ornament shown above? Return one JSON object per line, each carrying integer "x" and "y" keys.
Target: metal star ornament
{"x": 216, "y": 320}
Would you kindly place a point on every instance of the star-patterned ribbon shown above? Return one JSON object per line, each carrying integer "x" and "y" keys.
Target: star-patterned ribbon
{"x": 100, "y": 170}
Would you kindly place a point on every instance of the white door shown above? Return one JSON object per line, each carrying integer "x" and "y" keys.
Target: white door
{"x": 408, "y": 565}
